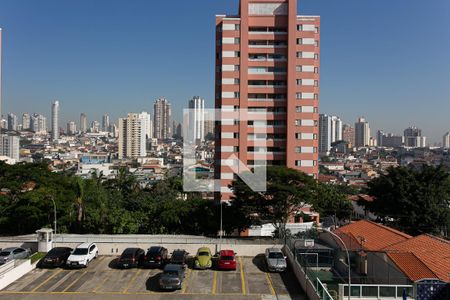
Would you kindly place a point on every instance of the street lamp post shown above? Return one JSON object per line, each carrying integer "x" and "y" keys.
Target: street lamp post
{"x": 348, "y": 260}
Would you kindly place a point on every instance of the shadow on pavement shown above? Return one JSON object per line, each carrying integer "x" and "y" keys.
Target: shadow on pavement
{"x": 152, "y": 283}
{"x": 293, "y": 287}
{"x": 113, "y": 264}
{"x": 259, "y": 262}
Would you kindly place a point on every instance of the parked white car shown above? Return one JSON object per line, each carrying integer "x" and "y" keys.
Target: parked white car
{"x": 82, "y": 255}
{"x": 275, "y": 260}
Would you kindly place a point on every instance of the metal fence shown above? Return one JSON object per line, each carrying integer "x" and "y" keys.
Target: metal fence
{"x": 376, "y": 291}
{"x": 312, "y": 273}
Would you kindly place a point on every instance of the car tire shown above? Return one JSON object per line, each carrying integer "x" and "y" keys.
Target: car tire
{"x": 87, "y": 264}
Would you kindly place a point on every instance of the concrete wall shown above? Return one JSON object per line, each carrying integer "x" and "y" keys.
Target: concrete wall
{"x": 116, "y": 248}
{"x": 13, "y": 274}
{"x": 382, "y": 271}
{"x": 301, "y": 276}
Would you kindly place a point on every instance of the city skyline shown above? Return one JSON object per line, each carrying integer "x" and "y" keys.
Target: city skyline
{"x": 79, "y": 71}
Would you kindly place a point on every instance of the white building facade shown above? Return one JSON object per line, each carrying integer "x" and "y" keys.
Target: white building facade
{"x": 330, "y": 131}
{"x": 197, "y": 104}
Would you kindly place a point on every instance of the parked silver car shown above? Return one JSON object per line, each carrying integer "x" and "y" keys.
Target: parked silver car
{"x": 275, "y": 260}
{"x": 9, "y": 254}
{"x": 172, "y": 277}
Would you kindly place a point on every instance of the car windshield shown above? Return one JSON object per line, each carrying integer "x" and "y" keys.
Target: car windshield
{"x": 226, "y": 257}
{"x": 127, "y": 255}
{"x": 4, "y": 253}
{"x": 203, "y": 253}
{"x": 80, "y": 251}
{"x": 177, "y": 256}
{"x": 276, "y": 255}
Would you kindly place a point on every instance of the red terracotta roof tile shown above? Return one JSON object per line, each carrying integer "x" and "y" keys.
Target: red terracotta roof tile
{"x": 370, "y": 235}
{"x": 411, "y": 265}
{"x": 434, "y": 252}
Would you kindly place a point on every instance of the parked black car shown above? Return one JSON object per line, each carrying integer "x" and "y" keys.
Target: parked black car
{"x": 56, "y": 257}
{"x": 130, "y": 258}
{"x": 179, "y": 257}
{"x": 156, "y": 257}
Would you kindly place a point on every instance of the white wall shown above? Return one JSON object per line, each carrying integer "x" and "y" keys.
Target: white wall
{"x": 12, "y": 275}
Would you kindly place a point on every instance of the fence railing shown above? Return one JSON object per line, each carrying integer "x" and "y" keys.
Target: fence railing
{"x": 376, "y": 291}
{"x": 311, "y": 274}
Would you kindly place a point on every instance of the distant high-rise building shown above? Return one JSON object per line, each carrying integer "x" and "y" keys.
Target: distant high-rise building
{"x": 55, "y": 120}
{"x": 179, "y": 131}
{"x": 71, "y": 128}
{"x": 132, "y": 137}
{"x": 209, "y": 129}
{"x": 105, "y": 123}
{"x": 348, "y": 135}
{"x": 413, "y": 137}
{"x": 446, "y": 140}
{"x": 267, "y": 61}
{"x": 38, "y": 124}
{"x": 162, "y": 119}
{"x": 10, "y": 146}
{"x": 83, "y": 123}
{"x": 330, "y": 131}
{"x": 26, "y": 121}
{"x": 174, "y": 128}
{"x": 380, "y": 135}
{"x": 362, "y": 133}
{"x": 95, "y": 127}
{"x": 12, "y": 122}
{"x": 389, "y": 139}
{"x": 148, "y": 125}
{"x": 197, "y": 105}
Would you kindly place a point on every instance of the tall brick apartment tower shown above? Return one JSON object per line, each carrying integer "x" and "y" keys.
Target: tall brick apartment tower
{"x": 267, "y": 61}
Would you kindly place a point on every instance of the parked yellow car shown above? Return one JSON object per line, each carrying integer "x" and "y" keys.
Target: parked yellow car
{"x": 203, "y": 259}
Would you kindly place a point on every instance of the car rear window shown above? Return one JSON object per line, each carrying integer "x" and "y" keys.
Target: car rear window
{"x": 226, "y": 257}
{"x": 80, "y": 251}
{"x": 127, "y": 255}
{"x": 203, "y": 253}
{"x": 57, "y": 251}
{"x": 171, "y": 273}
{"x": 4, "y": 253}
{"x": 276, "y": 255}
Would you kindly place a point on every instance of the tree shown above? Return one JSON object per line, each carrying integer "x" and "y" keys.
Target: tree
{"x": 331, "y": 202}
{"x": 288, "y": 190}
{"x": 414, "y": 201}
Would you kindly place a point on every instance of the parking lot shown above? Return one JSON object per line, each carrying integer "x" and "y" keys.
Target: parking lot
{"x": 100, "y": 281}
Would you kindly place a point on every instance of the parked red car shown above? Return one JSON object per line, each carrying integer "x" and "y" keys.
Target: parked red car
{"x": 227, "y": 260}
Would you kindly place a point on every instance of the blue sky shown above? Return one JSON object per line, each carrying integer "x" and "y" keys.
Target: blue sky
{"x": 388, "y": 60}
